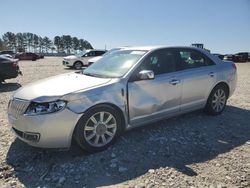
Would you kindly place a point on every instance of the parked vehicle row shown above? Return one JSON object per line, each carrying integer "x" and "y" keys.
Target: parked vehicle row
{"x": 28, "y": 56}
{"x": 239, "y": 57}
{"x": 22, "y": 55}
{"x": 130, "y": 87}
{"x": 8, "y": 68}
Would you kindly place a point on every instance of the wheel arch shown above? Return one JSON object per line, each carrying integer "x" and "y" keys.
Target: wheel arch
{"x": 77, "y": 62}
{"x": 223, "y": 84}
{"x": 119, "y": 110}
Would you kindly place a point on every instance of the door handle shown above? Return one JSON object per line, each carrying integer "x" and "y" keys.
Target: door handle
{"x": 211, "y": 74}
{"x": 174, "y": 82}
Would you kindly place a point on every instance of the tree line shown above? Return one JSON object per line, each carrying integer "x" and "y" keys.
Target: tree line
{"x": 30, "y": 42}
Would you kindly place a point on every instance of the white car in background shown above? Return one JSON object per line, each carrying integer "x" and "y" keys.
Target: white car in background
{"x": 94, "y": 59}
{"x": 81, "y": 59}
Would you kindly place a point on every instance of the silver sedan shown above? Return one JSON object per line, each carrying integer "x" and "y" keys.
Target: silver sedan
{"x": 131, "y": 87}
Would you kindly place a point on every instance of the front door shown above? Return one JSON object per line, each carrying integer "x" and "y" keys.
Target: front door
{"x": 150, "y": 100}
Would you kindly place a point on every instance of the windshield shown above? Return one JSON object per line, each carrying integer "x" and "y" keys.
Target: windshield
{"x": 80, "y": 53}
{"x": 115, "y": 64}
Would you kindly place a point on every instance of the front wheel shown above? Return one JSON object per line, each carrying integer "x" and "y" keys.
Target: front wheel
{"x": 78, "y": 65}
{"x": 98, "y": 128}
{"x": 217, "y": 101}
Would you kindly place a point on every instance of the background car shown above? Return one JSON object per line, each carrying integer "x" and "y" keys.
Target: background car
{"x": 219, "y": 56}
{"x": 7, "y": 55}
{"x": 8, "y": 68}
{"x": 10, "y": 52}
{"x": 27, "y": 56}
{"x": 241, "y": 57}
{"x": 79, "y": 60}
{"x": 229, "y": 57}
{"x": 94, "y": 59}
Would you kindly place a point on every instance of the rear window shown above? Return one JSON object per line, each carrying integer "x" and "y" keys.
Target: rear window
{"x": 193, "y": 59}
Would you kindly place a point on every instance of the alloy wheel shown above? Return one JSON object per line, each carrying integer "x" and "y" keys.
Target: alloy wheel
{"x": 100, "y": 129}
{"x": 219, "y": 100}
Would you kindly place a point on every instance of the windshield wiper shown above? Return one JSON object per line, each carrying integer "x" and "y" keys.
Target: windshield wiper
{"x": 89, "y": 74}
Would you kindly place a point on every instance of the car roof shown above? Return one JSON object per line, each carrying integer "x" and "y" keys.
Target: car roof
{"x": 150, "y": 48}
{"x": 89, "y": 50}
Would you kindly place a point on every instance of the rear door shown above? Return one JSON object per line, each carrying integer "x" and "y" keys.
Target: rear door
{"x": 198, "y": 75}
{"x": 149, "y": 100}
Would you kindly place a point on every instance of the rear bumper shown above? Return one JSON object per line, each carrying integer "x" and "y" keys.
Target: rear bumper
{"x": 11, "y": 74}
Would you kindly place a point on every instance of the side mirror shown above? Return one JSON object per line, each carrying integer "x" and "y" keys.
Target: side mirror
{"x": 146, "y": 75}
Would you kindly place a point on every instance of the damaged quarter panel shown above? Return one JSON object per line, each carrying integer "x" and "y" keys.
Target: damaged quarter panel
{"x": 112, "y": 93}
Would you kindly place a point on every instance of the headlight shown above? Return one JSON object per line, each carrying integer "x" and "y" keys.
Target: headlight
{"x": 45, "y": 108}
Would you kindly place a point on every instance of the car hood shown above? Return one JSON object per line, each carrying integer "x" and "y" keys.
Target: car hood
{"x": 71, "y": 57}
{"x": 52, "y": 88}
{"x": 94, "y": 59}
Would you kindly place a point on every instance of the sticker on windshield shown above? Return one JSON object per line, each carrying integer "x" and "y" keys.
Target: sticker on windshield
{"x": 138, "y": 52}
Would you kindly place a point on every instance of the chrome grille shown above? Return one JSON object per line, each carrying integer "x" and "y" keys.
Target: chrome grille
{"x": 17, "y": 107}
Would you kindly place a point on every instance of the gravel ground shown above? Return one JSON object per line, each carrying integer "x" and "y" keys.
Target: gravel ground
{"x": 192, "y": 150}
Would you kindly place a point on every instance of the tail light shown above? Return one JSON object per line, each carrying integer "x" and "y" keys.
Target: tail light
{"x": 234, "y": 66}
{"x": 15, "y": 65}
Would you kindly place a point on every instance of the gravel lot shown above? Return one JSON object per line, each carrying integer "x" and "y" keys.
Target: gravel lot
{"x": 192, "y": 150}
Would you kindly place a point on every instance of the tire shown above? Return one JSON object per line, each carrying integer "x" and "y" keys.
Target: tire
{"x": 78, "y": 65}
{"x": 92, "y": 134}
{"x": 217, "y": 100}
{"x": 1, "y": 79}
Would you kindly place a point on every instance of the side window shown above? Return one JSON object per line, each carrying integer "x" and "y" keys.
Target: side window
{"x": 99, "y": 53}
{"x": 92, "y": 53}
{"x": 193, "y": 59}
{"x": 89, "y": 54}
{"x": 161, "y": 61}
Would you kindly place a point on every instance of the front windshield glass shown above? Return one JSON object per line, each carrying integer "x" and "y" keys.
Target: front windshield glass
{"x": 80, "y": 53}
{"x": 115, "y": 64}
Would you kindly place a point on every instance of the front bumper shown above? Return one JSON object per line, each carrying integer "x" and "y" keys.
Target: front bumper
{"x": 67, "y": 63}
{"x": 53, "y": 130}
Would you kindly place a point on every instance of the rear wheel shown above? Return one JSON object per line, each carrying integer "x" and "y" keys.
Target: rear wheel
{"x": 78, "y": 65}
{"x": 98, "y": 128}
{"x": 217, "y": 100}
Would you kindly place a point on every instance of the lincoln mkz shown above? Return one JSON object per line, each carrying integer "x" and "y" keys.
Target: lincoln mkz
{"x": 130, "y": 87}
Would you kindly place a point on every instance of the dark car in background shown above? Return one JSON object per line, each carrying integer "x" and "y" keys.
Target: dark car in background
{"x": 242, "y": 57}
{"x": 9, "y": 52}
{"x": 27, "y": 56}
{"x": 219, "y": 56}
{"x": 8, "y": 68}
{"x": 229, "y": 57}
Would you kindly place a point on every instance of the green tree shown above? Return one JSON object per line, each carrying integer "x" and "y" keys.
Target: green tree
{"x": 81, "y": 44}
{"x": 35, "y": 42}
{"x": 58, "y": 43}
{"x": 29, "y": 40}
{"x": 84, "y": 44}
{"x": 47, "y": 43}
{"x": 2, "y": 46}
{"x": 41, "y": 44}
{"x": 88, "y": 45}
{"x": 20, "y": 42}
{"x": 9, "y": 39}
{"x": 75, "y": 43}
{"x": 53, "y": 49}
{"x": 67, "y": 42}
